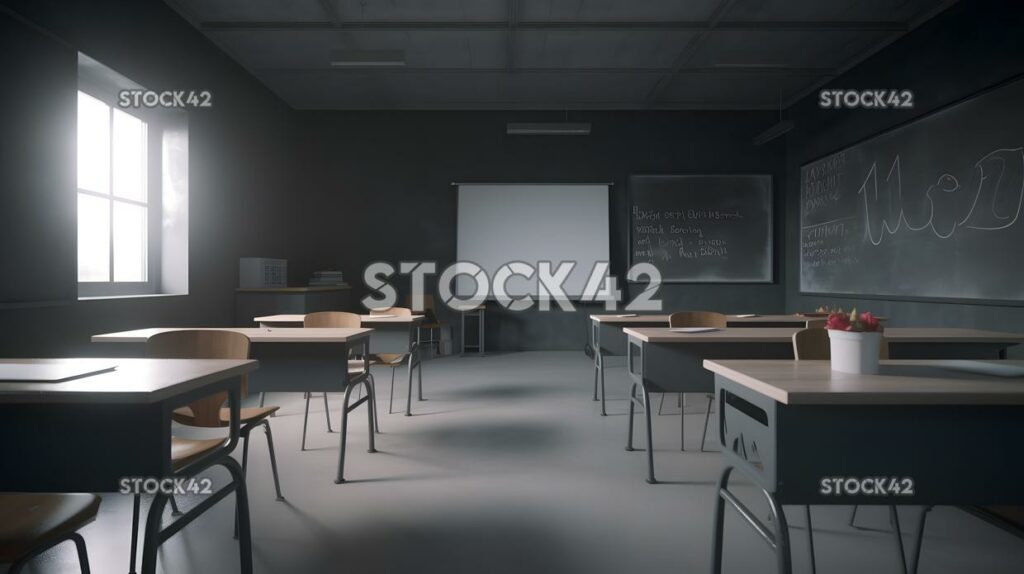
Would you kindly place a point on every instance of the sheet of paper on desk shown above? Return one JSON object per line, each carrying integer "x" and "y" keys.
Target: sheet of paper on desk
{"x": 693, "y": 329}
{"x": 996, "y": 368}
{"x": 381, "y": 316}
{"x": 50, "y": 372}
{"x": 623, "y": 316}
{"x": 747, "y": 316}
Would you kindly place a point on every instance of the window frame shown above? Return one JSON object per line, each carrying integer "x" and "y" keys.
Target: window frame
{"x": 153, "y": 204}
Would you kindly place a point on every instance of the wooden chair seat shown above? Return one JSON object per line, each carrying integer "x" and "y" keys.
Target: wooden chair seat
{"x": 247, "y": 415}
{"x": 388, "y": 359}
{"x": 185, "y": 450}
{"x": 32, "y": 521}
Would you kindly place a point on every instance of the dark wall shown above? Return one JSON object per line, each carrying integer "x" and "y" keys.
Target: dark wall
{"x": 376, "y": 186}
{"x": 240, "y": 188}
{"x": 966, "y": 49}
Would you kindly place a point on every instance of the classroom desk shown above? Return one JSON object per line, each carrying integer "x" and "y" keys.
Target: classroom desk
{"x": 788, "y": 425}
{"x": 392, "y": 335}
{"x": 607, "y": 338}
{"x": 291, "y": 360}
{"x": 660, "y": 360}
{"x": 85, "y": 434}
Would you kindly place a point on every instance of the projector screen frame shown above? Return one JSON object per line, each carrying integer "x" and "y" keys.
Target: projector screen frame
{"x": 455, "y": 185}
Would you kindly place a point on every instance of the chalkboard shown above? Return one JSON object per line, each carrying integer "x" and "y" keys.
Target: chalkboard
{"x": 927, "y": 210}
{"x": 703, "y": 228}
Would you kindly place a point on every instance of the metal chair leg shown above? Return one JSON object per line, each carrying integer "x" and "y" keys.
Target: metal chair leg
{"x": 344, "y": 434}
{"x": 371, "y": 413}
{"x": 707, "y": 417}
{"x": 245, "y": 463}
{"x": 661, "y": 403}
{"x": 408, "y": 398}
{"x": 596, "y": 369}
{"x": 682, "y": 427}
{"x": 604, "y": 411}
{"x": 853, "y": 515}
{"x": 629, "y": 436}
{"x": 419, "y": 377}
{"x": 135, "y": 532}
{"x": 83, "y": 554}
{"x": 327, "y": 413}
{"x": 305, "y": 423}
{"x": 898, "y": 535}
{"x": 175, "y": 511}
{"x": 273, "y": 458}
{"x": 810, "y": 539}
{"x": 263, "y": 397}
{"x": 650, "y": 439}
{"x": 373, "y": 402}
{"x": 391, "y": 402}
{"x": 920, "y": 539}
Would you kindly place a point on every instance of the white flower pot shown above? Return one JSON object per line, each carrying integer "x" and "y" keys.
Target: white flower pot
{"x": 855, "y": 352}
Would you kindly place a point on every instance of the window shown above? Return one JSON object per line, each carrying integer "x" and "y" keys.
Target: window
{"x": 113, "y": 196}
{"x": 133, "y": 187}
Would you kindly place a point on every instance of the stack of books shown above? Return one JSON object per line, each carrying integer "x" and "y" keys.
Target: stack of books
{"x": 326, "y": 278}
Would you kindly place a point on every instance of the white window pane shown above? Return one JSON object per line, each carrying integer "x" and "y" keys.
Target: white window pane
{"x": 129, "y": 242}
{"x": 129, "y": 157}
{"x": 93, "y": 144}
{"x": 93, "y": 238}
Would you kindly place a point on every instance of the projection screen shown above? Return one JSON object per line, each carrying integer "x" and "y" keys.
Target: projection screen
{"x": 502, "y": 223}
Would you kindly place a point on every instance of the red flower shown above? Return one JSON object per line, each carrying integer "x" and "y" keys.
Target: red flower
{"x": 868, "y": 322}
{"x": 838, "y": 322}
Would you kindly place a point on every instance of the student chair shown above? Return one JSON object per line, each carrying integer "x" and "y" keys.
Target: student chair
{"x": 429, "y": 324}
{"x": 207, "y": 412}
{"x": 394, "y": 360}
{"x": 337, "y": 320}
{"x": 34, "y": 523}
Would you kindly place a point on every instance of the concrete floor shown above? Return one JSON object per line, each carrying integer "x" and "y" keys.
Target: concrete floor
{"x": 508, "y": 468}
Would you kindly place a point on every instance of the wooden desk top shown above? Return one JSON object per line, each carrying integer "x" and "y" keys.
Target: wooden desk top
{"x": 255, "y": 334}
{"x": 796, "y": 320}
{"x": 298, "y": 318}
{"x": 133, "y": 381}
{"x": 727, "y": 335}
{"x": 775, "y": 335}
{"x": 924, "y": 382}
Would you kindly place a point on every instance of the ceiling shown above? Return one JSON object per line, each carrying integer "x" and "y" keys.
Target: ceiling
{"x": 554, "y": 54}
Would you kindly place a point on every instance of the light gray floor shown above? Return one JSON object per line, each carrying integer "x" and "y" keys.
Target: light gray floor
{"x": 508, "y": 468}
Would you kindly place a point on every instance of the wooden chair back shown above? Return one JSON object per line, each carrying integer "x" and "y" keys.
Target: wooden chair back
{"x": 336, "y": 319}
{"x": 201, "y": 344}
{"x": 812, "y": 344}
{"x": 698, "y": 319}
{"x": 396, "y": 311}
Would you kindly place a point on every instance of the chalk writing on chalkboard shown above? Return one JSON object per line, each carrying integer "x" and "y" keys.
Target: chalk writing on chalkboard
{"x": 702, "y": 228}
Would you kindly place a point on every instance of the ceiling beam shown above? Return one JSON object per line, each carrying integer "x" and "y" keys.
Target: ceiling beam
{"x": 504, "y": 25}
{"x": 767, "y": 70}
{"x": 686, "y": 54}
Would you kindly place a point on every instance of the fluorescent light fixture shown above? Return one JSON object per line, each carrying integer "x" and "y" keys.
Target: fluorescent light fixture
{"x": 548, "y": 129}
{"x": 367, "y": 58}
{"x": 776, "y": 131}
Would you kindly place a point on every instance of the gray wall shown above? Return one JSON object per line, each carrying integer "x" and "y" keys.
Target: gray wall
{"x": 239, "y": 165}
{"x": 376, "y": 187}
{"x": 970, "y": 47}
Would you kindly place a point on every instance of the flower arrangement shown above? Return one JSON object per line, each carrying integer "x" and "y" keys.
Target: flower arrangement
{"x": 853, "y": 322}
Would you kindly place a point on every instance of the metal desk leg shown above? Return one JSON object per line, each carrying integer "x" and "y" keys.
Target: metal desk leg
{"x": 604, "y": 412}
{"x": 597, "y": 367}
{"x": 894, "y": 517}
{"x": 920, "y": 539}
{"x": 408, "y": 399}
{"x": 777, "y": 540}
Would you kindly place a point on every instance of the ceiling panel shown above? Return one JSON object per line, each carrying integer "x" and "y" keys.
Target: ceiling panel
{"x": 311, "y": 49}
{"x": 833, "y": 10}
{"x": 608, "y": 10}
{"x": 742, "y": 90}
{"x": 604, "y": 49}
{"x": 554, "y": 54}
{"x": 253, "y": 10}
{"x": 797, "y": 49}
{"x": 421, "y": 10}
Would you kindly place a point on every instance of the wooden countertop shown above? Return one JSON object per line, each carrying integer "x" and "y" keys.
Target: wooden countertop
{"x": 312, "y": 289}
{"x": 924, "y": 382}
{"x": 255, "y": 334}
{"x": 770, "y": 335}
{"x": 133, "y": 381}
{"x": 298, "y": 318}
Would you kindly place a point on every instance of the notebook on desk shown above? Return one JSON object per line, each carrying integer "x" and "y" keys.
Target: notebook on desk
{"x": 50, "y": 372}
